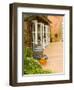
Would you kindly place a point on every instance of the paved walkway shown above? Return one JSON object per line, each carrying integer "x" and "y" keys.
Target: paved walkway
{"x": 55, "y": 57}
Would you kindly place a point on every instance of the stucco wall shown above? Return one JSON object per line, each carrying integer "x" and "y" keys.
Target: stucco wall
{"x": 56, "y": 27}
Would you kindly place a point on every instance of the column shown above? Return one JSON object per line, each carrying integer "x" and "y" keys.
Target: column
{"x": 48, "y": 34}
{"x": 46, "y": 29}
{"x": 43, "y": 36}
{"x": 41, "y": 33}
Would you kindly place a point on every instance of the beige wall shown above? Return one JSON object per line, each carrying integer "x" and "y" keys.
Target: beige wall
{"x": 56, "y": 27}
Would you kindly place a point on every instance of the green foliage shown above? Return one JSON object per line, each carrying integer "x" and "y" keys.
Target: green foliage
{"x": 28, "y": 52}
{"x": 31, "y": 65}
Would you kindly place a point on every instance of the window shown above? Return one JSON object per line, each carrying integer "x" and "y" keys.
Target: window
{"x": 39, "y": 34}
{"x": 33, "y": 32}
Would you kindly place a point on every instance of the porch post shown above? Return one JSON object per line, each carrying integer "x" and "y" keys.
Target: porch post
{"x": 48, "y": 34}
{"x": 46, "y": 29}
{"x": 41, "y": 33}
{"x": 43, "y": 36}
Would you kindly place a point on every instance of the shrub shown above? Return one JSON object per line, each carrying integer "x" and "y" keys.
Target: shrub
{"x": 28, "y": 52}
{"x": 31, "y": 65}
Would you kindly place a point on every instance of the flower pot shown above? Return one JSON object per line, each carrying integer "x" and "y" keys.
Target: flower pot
{"x": 43, "y": 61}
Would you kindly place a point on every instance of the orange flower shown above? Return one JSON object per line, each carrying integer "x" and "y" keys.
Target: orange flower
{"x": 43, "y": 61}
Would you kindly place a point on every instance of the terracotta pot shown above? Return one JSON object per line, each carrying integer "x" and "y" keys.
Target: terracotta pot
{"x": 43, "y": 61}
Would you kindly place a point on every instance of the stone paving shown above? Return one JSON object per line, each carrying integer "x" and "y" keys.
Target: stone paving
{"x": 55, "y": 57}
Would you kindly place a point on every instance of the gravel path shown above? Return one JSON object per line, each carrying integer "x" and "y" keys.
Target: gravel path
{"x": 55, "y": 57}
